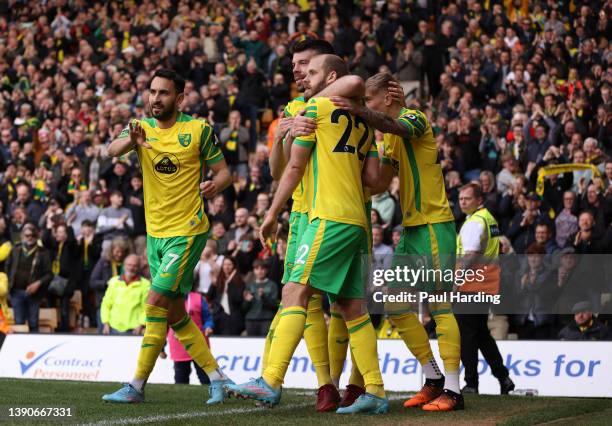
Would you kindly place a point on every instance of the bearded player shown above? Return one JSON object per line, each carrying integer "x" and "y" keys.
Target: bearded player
{"x": 175, "y": 150}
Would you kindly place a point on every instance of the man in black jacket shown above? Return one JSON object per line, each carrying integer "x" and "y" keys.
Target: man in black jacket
{"x": 584, "y": 326}
{"x": 29, "y": 271}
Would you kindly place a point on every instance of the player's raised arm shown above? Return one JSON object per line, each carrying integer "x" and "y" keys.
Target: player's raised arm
{"x": 349, "y": 86}
{"x": 128, "y": 139}
{"x": 378, "y": 120}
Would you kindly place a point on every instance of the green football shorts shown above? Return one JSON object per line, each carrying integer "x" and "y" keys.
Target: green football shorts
{"x": 172, "y": 261}
{"x": 432, "y": 247}
{"x": 297, "y": 223}
{"x": 330, "y": 257}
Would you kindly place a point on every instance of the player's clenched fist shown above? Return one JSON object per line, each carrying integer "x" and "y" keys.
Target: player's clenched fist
{"x": 137, "y": 135}
{"x": 208, "y": 189}
{"x": 268, "y": 228}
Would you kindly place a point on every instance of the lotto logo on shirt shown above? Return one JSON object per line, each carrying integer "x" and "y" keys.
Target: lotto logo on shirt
{"x": 165, "y": 165}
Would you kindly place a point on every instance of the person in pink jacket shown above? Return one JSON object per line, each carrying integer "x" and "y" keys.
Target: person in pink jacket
{"x": 197, "y": 308}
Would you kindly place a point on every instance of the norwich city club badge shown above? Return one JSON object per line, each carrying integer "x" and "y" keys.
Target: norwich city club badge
{"x": 184, "y": 139}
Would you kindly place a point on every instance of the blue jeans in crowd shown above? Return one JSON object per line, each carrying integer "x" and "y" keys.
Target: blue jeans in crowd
{"x": 25, "y": 307}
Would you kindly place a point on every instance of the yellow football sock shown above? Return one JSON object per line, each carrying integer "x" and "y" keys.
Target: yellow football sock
{"x": 337, "y": 343}
{"x": 269, "y": 337}
{"x": 156, "y": 327}
{"x": 363, "y": 346}
{"x": 356, "y": 378}
{"x": 414, "y": 335}
{"x": 449, "y": 340}
{"x": 192, "y": 339}
{"x": 315, "y": 336}
{"x": 286, "y": 338}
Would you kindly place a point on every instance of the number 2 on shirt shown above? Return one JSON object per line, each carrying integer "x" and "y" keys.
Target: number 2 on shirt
{"x": 342, "y": 145}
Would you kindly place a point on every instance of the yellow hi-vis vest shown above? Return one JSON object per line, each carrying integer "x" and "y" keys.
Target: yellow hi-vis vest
{"x": 490, "y": 270}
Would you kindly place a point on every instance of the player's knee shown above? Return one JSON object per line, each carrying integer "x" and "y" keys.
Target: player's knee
{"x": 350, "y": 308}
{"x": 157, "y": 299}
{"x": 295, "y": 294}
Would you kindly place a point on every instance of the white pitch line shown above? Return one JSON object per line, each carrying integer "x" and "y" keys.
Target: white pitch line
{"x": 190, "y": 415}
{"x": 196, "y": 414}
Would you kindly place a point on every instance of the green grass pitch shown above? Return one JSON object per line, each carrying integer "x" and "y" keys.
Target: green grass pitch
{"x": 184, "y": 405}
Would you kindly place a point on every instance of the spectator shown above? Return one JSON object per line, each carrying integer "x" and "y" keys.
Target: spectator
{"x": 115, "y": 220}
{"x": 135, "y": 202}
{"x": 280, "y": 91}
{"x": 249, "y": 189}
{"x": 543, "y": 237}
{"x": 88, "y": 252}
{"x": 208, "y": 267}
{"x": 566, "y": 223}
{"x": 522, "y": 227}
{"x": 220, "y": 236}
{"x": 261, "y": 208}
{"x": 584, "y": 326}
{"x": 507, "y": 176}
{"x": 409, "y": 63}
{"x": 240, "y": 227}
{"x": 82, "y": 210}
{"x": 586, "y": 240}
{"x": 34, "y": 209}
{"x": 382, "y": 253}
{"x": 29, "y": 272}
{"x": 226, "y": 296}
{"x": 61, "y": 244}
{"x": 235, "y": 144}
{"x": 70, "y": 185}
{"x": 491, "y": 196}
{"x": 219, "y": 212}
{"x": 536, "y": 293}
{"x": 384, "y": 204}
{"x": 123, "y": 306}
{"x": 197, "y": 308}
{"x": 260, "y": 301}
{"x": 110, "y": 265}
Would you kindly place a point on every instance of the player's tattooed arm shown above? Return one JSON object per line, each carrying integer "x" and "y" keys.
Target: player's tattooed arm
{"x": 383, "y": 123}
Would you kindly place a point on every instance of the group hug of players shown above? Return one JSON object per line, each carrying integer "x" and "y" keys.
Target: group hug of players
{"x": 325, "y": 157}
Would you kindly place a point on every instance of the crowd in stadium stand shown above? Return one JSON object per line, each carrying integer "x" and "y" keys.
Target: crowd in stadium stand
{"x": 510, "y": 87}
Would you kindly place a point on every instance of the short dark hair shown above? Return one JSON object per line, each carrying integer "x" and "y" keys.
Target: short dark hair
{"x": 535, "y": 248}
{"x": 168, "y": 74}
{"x": 258, "y": 263}
{"x": 88, "y": 222}
{"x": 477, "y": 190}
{"x": 322, "y": 47}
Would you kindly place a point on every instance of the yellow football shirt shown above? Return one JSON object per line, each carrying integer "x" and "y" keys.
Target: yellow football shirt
{"x": 172, "y": 171}
{"x": 291, "y": 110}
{"x": 339, "y": 145}
{"x": 422, "y": 191}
